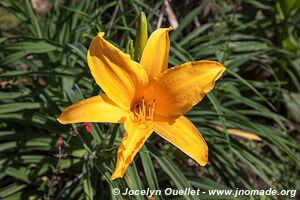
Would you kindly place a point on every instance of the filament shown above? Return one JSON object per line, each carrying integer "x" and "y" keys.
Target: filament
{"x": 143, "y": 111}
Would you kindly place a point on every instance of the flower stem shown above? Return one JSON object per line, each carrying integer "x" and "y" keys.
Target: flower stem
{"x": 113, "y": 135}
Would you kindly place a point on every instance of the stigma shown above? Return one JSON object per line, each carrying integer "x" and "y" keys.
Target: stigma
{"x": 143, "y": 111}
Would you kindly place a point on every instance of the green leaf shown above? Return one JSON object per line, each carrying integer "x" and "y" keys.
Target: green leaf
{"x": 187, "y": 20}
{"x": 171, "y": 170}
{"x": 87, "y": 185}
{"x": 149, "y": 170}
{"x": 14, "y": 107}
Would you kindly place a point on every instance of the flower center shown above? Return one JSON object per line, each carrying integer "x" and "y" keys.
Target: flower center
{"x": 143, "y": 111}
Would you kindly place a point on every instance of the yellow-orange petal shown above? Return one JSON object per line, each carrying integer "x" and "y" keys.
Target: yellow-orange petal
{"x": 133, "y": 140}
{"x": 94, "y": 109}
{"x": 114, "y": 71}
{"x": 240, "y": 133}
{"x": 185, "y": 136}
{"x": 179, "y": 88}
{"x": 156, "y": 52}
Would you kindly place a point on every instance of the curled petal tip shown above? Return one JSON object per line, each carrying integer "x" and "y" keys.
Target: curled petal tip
{"x": 60, "y": 120}
{"x": 223, "y": 67}
{"x": 203, "y": 162}
{"x": 101, "y": 34}
{"x": 116, "y": 175}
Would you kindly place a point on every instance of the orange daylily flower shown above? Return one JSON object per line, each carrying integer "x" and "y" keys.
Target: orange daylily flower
{"x": 146, "y": 97}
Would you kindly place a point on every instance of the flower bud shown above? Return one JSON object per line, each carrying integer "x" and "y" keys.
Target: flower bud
{"x": 141, "y": 36}
{"x": 130, "y": 48}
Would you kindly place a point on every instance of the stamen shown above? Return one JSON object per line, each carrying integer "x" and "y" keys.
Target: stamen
{"x": 143, "y": 112}
{"x": 153, "y": 108}
{"x": 144, "y": 109}
{"x": 149, "y": 112}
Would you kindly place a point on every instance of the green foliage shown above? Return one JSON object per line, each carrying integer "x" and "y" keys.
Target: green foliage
{"x": 44, "y": 69}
